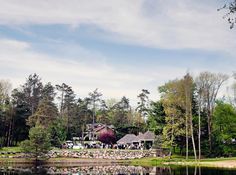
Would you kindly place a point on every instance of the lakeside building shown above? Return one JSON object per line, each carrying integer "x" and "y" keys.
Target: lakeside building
{"x": 93, "y": 130}
{"x": 142, "y": 140}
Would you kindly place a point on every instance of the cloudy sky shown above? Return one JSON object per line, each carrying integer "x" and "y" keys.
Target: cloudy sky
{"x": 117, "y": 46}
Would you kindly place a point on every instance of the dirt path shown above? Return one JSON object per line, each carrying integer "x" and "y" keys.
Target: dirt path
{"x": 219, "y": 164}
{"x": 223, "y": 164}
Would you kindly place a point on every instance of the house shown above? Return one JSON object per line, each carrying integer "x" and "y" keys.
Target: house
{"x": 128, "y": 139}
{"x": 142, "y": 140}
{"x": 93, "y": 130}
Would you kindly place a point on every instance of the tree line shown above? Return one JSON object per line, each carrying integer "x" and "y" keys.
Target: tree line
{"x": 188, "y": 118}
{"x": 59, "y": 110}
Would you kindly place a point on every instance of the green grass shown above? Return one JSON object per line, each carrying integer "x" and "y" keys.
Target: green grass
{"x": 10, "y": 149}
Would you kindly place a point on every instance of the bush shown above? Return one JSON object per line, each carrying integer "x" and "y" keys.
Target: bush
{"x": 38, "y": 144}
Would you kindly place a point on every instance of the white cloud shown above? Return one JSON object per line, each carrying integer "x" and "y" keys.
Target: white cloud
{"x": 18, "y": 60}
{"x": 84, "y": 73}
{"x": 154, "y": 23}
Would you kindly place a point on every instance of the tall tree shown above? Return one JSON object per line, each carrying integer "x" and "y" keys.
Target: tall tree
{"x": 32, "y": 90}
{"x": 48, "y": 92}
{"x": 172, "y": 98}
{"x": 211, "y": 84}
{"x": 121, "y": 110}
{"x": 156, "y": 118}
{"x": 67, "y": 105}
{"x": 6, "y": 114}
{"x": 83, "y": 116}
{"x": 199, "y": 93}
{"x": 94, "y": 98}
{"x": 143, "y": 104}
{"x": 45, "y": 114}
{"x": 188, "y": 81}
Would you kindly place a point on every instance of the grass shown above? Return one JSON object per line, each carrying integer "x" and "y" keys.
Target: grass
{"x": 180, "y": 160}
{"x": 10, "y": 149}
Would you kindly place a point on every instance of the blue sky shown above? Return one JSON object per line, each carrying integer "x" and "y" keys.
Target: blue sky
{"x": 118, "y": 46}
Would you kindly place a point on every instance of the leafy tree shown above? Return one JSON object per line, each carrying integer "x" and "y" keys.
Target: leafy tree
{"x": 45, "y": 114}
{"x": 177, "y": 100}
{"x": 210, "y": 83}
{"x": 172, "y": 98}
{"x": 58, "y": 132}
{"x": 107, "y": 137}
{"x": 156, "y": 118}
{"x": 25, "y": 101}
{"x": 224, "y": 128}
{"x": 39, "y": 142}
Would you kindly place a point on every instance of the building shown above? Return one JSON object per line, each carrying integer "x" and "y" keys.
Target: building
{"x": 93, "y": 130}
{"x": 142, "y": 140}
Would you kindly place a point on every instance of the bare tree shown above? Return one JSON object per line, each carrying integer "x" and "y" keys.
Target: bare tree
{"x": 230, "y": 7}
{"x": 189, "y": 117}
{"x": 199, "y": 86}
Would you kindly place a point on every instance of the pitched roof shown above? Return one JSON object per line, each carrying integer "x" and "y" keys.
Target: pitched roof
{"x": 149, "y": 135}
{"x": 146, "y": 136}
{"x": 128, "y": 138}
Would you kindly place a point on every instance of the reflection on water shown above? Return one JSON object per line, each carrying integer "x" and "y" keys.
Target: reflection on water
{"x": 115, "y": 169}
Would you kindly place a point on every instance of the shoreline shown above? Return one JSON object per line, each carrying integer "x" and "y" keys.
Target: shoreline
{"x": 208, "y": 163}
{"x": 226, "y": 164}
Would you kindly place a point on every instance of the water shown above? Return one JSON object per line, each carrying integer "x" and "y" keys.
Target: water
{"x": 113, "y": 170}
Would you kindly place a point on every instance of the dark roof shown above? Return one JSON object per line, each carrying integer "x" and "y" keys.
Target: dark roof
{"x": 128, "y": 138}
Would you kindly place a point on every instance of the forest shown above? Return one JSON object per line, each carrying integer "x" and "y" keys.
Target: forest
{"x": 189, "y": 118}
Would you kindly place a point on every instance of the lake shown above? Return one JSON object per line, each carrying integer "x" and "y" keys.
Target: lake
{"x": 113, "y": 169}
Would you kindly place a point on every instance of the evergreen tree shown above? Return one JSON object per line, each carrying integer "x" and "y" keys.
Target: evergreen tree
{"x": 38, "y": 144}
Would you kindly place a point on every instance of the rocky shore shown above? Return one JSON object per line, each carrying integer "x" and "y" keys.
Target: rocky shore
{"x": 96, "y": 154}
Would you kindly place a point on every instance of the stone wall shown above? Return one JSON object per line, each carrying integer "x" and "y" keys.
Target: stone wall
{"x": 103, "y": 154}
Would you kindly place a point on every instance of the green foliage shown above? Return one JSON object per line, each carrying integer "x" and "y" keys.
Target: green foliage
{"x": 39, "y": 142}
{"x": 173, "y": 100}
{"x": 143, "y": 103}
{"x": 156, "y": 118}
{"x": 45, "y": 114}
{"x": 33, "y": 102}
{"x": 224, "y": 127}
{"x": 58, "y": 132}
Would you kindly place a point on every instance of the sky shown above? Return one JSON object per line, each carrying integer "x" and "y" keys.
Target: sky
{"x": 117, "y": 46}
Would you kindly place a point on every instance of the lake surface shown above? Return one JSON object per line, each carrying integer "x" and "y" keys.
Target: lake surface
{"x": 113, "y": 170}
